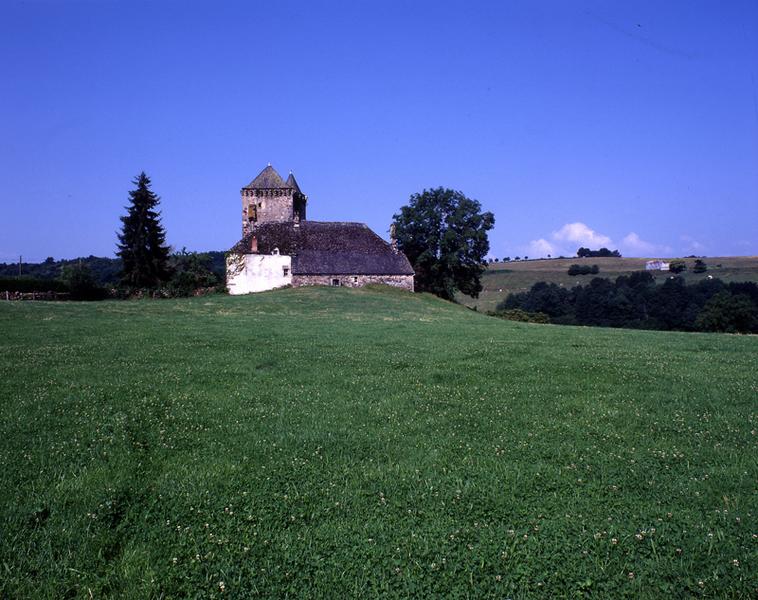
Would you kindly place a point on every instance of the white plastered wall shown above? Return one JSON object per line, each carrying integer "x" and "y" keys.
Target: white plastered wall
{"x": 257, "y": 272}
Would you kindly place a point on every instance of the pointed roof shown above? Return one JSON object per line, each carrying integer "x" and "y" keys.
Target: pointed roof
{"x": 292, "y": 183}
{"x": 268, "y": 179}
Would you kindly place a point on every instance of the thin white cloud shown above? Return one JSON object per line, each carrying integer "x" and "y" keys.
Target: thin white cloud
{"x": 540, "y": 248}
{"x": 581, "y": 234}
{"x": 692, "y": 244}
{"x": 634, "y": 245}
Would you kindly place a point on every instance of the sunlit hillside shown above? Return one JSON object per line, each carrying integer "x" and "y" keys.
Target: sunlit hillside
{"x": 503, "y": 278}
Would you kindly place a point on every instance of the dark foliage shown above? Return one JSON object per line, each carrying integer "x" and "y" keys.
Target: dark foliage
{"x": 444, "y": 235}
{"x": 635, "y": 301}
{"x": 81, "y": 283}
{"x": 142, "y": 241}
{"x": 602, "y": 253}
{"x": 31, "y": 284}
{"x": 583, "y": 270}
{"x": 700, "y": 266}
{"x": 677, "y": 266}
{"x": 516, "y": 314}
{"x": 191, "y": 271}
{"x": 104, "y": 270}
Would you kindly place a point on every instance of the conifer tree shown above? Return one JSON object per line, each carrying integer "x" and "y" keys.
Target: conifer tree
{"x": 142, "y": 241}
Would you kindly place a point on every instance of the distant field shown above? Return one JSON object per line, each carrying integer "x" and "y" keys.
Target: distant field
{"x": 502, "y": 279}
{"x": 335, "y": 443}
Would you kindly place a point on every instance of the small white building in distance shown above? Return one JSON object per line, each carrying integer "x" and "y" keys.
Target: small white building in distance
{"x": 656, "y": 265}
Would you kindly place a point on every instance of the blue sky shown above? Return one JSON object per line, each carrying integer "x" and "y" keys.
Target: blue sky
{"x": 627, "y": 124}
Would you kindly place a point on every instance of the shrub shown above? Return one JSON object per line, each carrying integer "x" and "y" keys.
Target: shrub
{"x": 583, "y": 270}
{"x": 516, "y": 314}
{"x": 81, "y": 283}
{"x": 190, "y": 271}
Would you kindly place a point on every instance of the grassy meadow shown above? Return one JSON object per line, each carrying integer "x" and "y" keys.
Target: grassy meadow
{"x": 503, "y": 278}
{"x": 333, "y": 443}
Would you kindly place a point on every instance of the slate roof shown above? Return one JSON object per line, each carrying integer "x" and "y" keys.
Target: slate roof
{"x": 292, "y": 183}
{"x": 268, "y": 179}
{"x": 327, "y": 248}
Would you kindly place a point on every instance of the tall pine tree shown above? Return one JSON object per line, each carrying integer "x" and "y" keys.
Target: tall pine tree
{"x": 142, "y": 241}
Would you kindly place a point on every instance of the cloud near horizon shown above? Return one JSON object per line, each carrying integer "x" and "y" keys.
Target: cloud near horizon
{"x": 581, "y": 234}
{"x": 569, "y": 238}
{"x": 633, "y": 244}
{"x": 566, "y": 241}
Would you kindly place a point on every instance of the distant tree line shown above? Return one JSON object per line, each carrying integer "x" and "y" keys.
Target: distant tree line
{"x": 95, "y": 277}
{"x": 636, "y": 301}
{"x": 104, "y": 270}
{"x": 602, "y": 253}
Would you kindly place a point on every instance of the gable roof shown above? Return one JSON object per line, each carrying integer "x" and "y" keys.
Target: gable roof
{"x": 327, "y": 248}
{"x": 268, "y": 179}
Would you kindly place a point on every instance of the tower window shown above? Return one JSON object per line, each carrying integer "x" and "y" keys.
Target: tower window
{"x": 286, "y": 271}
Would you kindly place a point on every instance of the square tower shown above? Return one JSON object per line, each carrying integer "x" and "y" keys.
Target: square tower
{"x": 270, "y": 199}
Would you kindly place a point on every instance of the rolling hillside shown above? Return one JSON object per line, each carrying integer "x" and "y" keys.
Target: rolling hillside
{"x": 503, "y": 278}
{"x": 335, "y": 443}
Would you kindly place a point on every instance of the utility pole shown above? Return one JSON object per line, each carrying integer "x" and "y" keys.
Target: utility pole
{"x": 19, "y": 265}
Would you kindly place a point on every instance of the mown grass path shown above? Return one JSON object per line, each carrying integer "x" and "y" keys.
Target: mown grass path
{"x": 336, "y": 443}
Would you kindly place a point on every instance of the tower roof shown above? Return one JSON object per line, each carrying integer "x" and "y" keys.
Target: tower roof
{"x": 292, "y": 183}
{"x": 268, "y": 179}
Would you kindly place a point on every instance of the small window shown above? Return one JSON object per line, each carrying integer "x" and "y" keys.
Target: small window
{"x": 286, "y": 271}
{"x": 275, "y": 251}
{"x": 355, "y": 280}
{"x": 335, "y": 282}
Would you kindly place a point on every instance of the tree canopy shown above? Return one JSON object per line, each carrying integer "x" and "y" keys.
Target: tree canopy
{"x": 444, "y": 235}
{"x": 142, "y": 241}
{"x": 602, "y": 253}
{"x": 636, "y": 301}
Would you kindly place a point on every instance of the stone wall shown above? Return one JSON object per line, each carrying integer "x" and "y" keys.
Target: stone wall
{"x": 266, "y": 206}
{"x": 400, "y": 281}
{"x": 49, "y": 296}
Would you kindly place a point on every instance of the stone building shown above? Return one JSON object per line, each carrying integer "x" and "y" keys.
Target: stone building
{"x": 279, "y": 246}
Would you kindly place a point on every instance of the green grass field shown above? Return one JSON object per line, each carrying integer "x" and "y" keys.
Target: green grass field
{"x": 342, "y": 443}
{"x": 505, "y": 278}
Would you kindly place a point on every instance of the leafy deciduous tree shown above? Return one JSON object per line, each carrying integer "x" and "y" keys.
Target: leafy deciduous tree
{"x": 444, "y": 235}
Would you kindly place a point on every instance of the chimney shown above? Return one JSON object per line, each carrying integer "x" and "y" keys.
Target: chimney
{"x": 254, "y": 245}
{"x": 393, "y": 239}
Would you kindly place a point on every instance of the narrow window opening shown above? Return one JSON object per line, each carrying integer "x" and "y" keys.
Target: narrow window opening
{"x": 286, "y": 271}
{"x": 335, "y": 282}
